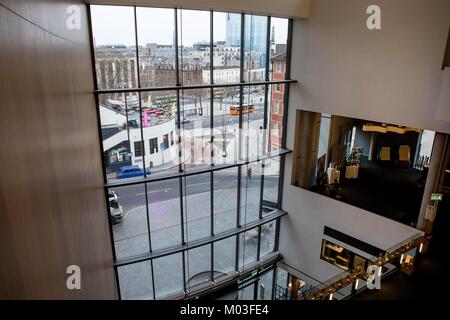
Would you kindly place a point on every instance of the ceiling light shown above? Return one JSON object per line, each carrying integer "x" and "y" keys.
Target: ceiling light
{"x": 396, "y": 129}
{"x": 374, "y": 128}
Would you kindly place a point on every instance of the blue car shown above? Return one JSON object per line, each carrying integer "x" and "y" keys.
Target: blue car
{"x": 132, "y": 171}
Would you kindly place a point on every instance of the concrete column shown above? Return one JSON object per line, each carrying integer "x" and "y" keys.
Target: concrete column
{"x": 437, "y": 156}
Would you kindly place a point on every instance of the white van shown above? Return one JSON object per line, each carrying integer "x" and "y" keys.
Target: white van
{"x": 115, "y": 207}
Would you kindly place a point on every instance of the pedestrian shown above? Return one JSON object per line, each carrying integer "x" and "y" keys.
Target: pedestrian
{"x": 249, "y": 173}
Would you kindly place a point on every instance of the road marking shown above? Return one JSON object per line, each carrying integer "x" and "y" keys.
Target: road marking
{"x": 162, "y": 190}
{"x": 129, "y": 211}
{"x": 196, "y": 184}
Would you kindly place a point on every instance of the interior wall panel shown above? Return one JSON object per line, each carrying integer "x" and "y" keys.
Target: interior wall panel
{"x": 51, "y": 196}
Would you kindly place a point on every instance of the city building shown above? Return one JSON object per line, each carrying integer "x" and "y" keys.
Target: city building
{"x": 116, "y": 66}
{"x": 233, "y": 30}
{"x": 123, "y": 145}
{"x": 125, "y": 180}
{"x": 278, "y": 67}
{"x": 232, "y": 75}
{"x": 254, "y": 31}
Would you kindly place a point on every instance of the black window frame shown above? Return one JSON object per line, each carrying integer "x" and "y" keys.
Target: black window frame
{"x": 155, "y": 146}
{"x": 139, "y": 149}
{"x": 277, "y": 212}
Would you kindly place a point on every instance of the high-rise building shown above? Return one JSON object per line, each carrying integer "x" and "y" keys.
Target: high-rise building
{"x": 254, "y": 33}
{"x": 233, "y": 29}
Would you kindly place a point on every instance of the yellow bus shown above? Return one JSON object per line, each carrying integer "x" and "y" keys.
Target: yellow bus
{"x": 246, "y": 108}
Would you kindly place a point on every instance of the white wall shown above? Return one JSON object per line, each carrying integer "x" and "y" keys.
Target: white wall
{"x": 391, "y": 75}
{"x": 301, "y": 230}
{"x": 158, "y": 131}
{"x": 110, "y": 117}
{"x": 443, "y": 105}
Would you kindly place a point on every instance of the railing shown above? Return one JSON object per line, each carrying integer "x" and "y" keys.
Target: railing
{"x": 343, "y": 285}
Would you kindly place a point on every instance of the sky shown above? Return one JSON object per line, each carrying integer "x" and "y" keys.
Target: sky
{"x": 115, "y": 25}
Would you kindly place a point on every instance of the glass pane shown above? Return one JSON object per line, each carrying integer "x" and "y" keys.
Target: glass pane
{"x": 226, "y": 125}
{"x": 265, "y": 286}
{"x": 114, "y": 46}
{"x": 224, "y": 256}
{"x": 164, "y": 211}
{"x": 267, "y": 238}
{"x": 168, "y": 273}
{"x": 271, "y": 181}
{"x": 281, "y": 290}
{"x": 227, "y": 41}
{"x": 248, "y": 247}
{"x": 255, "y": 41}
{"x": 275, "y": 114}
{"x": 254, "y": 138}
{"x": 193, "y": 41}
{"x": 198, "y": 266}
{"x": 129, "y": 218}
{"x": 159, "y": 111}
{"x": 120, "y": 136}
{"x": 247, "y": 293}
{"x": 278, "y": 46}
{"x": 225, "y": 199}
{"x": 250, "y": 192}
{"x": 156, "y": 46}
{"x": 197, "y": 204}
{"x": 135, "y": 281}
{"x": 195, "y": 132}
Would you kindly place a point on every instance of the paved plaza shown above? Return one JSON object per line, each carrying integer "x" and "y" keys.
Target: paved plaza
{"x": 131, "y": 238}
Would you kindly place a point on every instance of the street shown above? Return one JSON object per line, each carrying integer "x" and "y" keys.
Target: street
{"x": 223, "y": 118}
{"x": 160, "y": 210}
{"x": 133, "y": 195}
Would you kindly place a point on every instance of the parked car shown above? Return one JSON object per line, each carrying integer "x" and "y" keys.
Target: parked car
{"x": 131, "y": 171}
{"x": 115, "y": 207}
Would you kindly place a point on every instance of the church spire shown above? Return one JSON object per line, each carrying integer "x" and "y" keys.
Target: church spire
{"x": 272, "y": 41}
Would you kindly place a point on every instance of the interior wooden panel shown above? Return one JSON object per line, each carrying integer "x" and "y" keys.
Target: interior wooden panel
{"x": 51, "y": 15}
{"x": 52, "y": 204}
